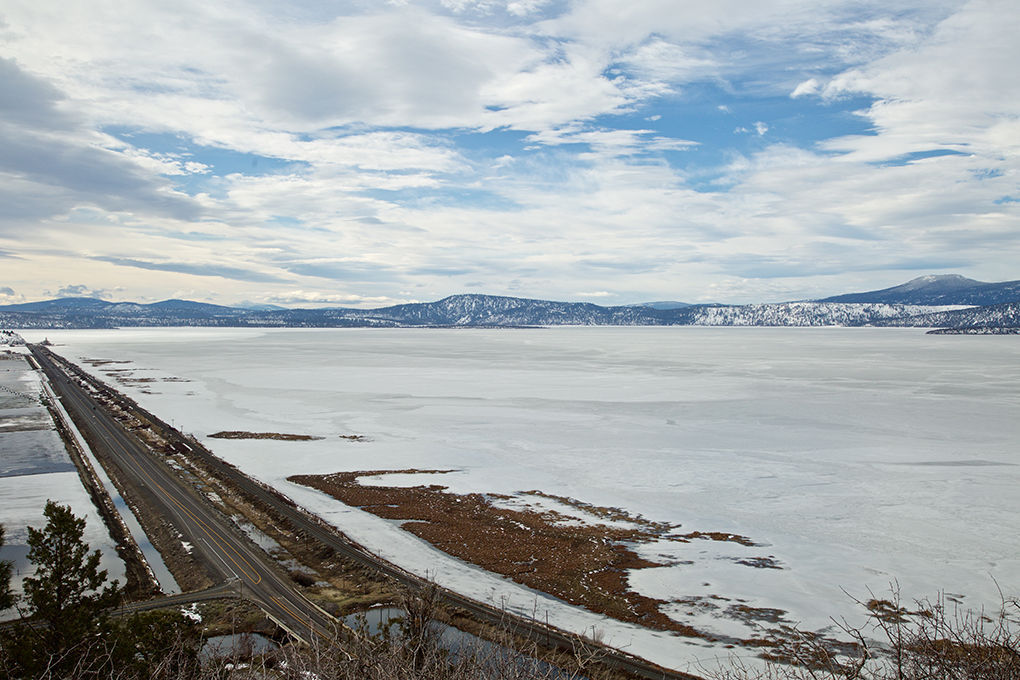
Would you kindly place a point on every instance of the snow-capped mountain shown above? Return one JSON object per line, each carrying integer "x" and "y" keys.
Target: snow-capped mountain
{"x": 939, "y": 289}
{"x": 663, "y": 304}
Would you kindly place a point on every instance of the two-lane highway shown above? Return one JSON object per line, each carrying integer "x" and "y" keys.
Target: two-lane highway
{"x": 225, "y": 550}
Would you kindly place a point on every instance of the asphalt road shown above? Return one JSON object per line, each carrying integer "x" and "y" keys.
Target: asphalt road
{"x": 247, "y": 562}
{"x": 221, "y": 546}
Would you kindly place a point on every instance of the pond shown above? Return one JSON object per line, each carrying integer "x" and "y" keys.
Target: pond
{"x": 240, "y": 645}
{"x": 457, "y": 642}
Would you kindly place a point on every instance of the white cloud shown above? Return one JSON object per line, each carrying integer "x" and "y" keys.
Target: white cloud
{"x": 53, "y": 163}
{"x": 161, "y": 163}
{"x": 398, "y": 67}
{"x": 807, "y": 87}
{"x": 8, "y": 296}
{"x": 317, "y": 298}
{"x": 955, "y": 90}
{"x": 782, "y": 33}
{"x": 253, "y": 73}
{"x": 759, "y": 128}
{"x": 523, "y": 8}
{"x": 518, "y": 8}
{"x": 553, "y": 93}
{"x": 80, "y": 290}
{"x": 615, "y": 142}
{"x": 665, "y": 62}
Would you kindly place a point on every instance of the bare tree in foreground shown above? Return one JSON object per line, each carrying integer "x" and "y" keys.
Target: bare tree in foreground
{"x": 412, "y": 648}
{"x": 932, "y": 640}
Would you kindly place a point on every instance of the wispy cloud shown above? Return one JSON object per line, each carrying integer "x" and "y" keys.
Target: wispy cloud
{"x": 81, "y": 290}
{"x": 222, "y": 271}
{"x": 8, "y": 296}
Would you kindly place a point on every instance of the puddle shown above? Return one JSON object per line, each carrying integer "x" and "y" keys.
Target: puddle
{"x": 159, "y": 569}
{"x": 240, "y": 645}
{"x": 260, "y": 539}
{"x": 376, "y": 620}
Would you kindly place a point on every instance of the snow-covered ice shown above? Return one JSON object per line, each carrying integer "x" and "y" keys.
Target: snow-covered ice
{"x": 34, "y": 468}
{"x": 853, "y": 458}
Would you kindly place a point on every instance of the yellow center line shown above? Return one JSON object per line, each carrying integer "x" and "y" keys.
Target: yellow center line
{"x": 280, "y": 603}
{"x": 251, "y": 572}
{"x": 220, "y": 542}
{"x": 253, "y": 575}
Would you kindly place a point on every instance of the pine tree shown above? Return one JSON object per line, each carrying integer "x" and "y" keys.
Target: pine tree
{"x": 160, "y": 644}
{"x": 68, "y": 594}
{"x": 6, "y": 595}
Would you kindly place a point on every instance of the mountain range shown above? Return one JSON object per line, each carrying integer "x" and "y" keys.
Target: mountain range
{"x": 929, "y": 301}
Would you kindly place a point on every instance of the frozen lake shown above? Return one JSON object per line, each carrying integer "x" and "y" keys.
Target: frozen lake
{"x": 855, "y": 457}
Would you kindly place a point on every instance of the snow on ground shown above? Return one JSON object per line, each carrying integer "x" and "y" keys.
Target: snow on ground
{"x": 32, "y": 452}
{"x": 853, "y": 458}
{"x": 10, "y": 339}
{"x": 34, "y": 468}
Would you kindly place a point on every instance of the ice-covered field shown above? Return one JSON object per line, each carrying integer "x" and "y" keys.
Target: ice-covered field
{"x": 34, "y": 468}
{"x": 856, "y": 457}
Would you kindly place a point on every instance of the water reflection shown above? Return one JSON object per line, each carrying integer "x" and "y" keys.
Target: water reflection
{"x": 388, "y": 621}
{"x": 237, "y": 645}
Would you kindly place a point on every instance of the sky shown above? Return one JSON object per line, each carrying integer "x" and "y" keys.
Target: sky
{"x": 362, "y": 153}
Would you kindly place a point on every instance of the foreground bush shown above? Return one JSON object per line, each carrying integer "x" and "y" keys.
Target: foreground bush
{"x": 930, "y": 641}
{"x": 412, "y": 649}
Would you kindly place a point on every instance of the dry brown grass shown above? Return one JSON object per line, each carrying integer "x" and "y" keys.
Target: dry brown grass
{"x": 279, "y": 436}
{"x": 584, "y": 564}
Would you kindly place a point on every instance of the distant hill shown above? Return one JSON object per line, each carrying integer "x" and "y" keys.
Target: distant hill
{"x": 189, "y": 307}
{"x": 494, "y": 310}
{"x": 1003, "y": 316}
{"x": 939, "y": 289}
{"x": 259, "y": 306}
{"x": 64, "y": 305}
{"x": 804, "y": 314}
{"x": 937, "y": 295}
{"x": 95, "y": 313}
{"x": 664, "y": 304}
{"x": 79, "y": 305}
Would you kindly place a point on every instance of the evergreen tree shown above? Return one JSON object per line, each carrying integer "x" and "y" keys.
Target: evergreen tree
{"x": 153, "y": 645}
{"x": 68, "y": 594}
{"x": 6, "y": 595}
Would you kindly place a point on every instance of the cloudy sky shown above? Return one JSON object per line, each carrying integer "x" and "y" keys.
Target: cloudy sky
{"x": 363, "y": 152}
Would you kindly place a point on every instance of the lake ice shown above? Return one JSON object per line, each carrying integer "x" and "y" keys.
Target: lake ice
{"x": 34, "y": 468}
{"x": 855, "y": 457}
